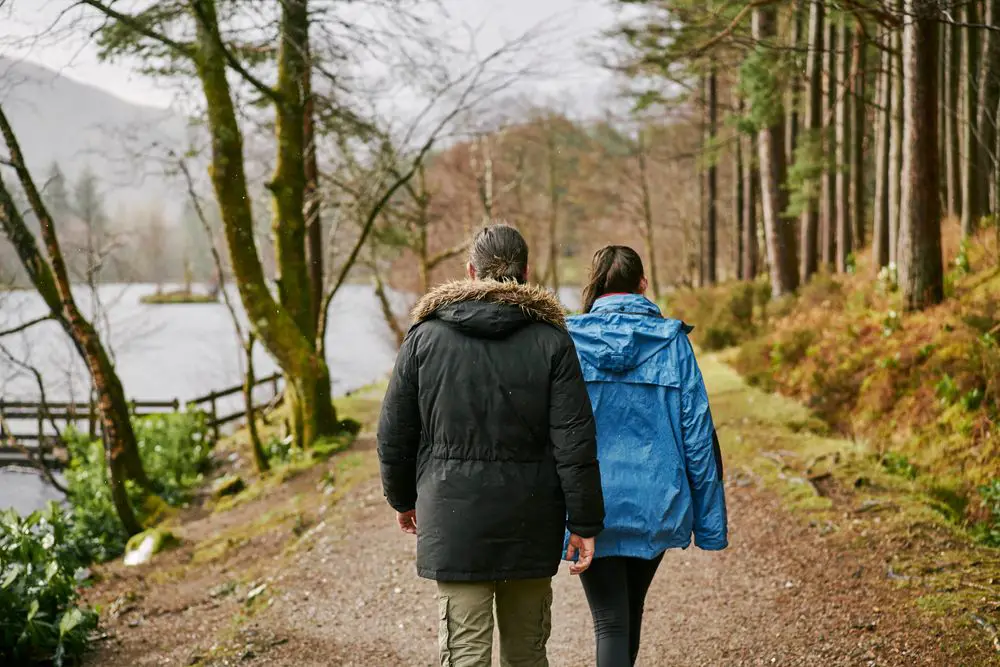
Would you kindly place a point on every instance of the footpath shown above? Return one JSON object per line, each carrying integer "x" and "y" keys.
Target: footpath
{"x": 311, "y": 572}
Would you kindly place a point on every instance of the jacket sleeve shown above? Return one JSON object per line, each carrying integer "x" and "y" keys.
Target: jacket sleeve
{"x": 703, "y": 456}
{"x": 399, "y": 432}
{"x": 574, "y": 439}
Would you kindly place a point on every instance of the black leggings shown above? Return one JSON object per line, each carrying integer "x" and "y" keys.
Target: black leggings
{"x": 616, "y": 590}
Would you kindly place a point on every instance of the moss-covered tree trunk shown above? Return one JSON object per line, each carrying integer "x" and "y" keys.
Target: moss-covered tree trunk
{"x": 284, "y": 326}
{"x": 986, "y": 103}
{"x": 51, "y": 280}
{"x": 897, "y": 127}
{"x": 921, "y": 273}
{"x": 952, "y": 70}
{"x": 751, "y": 184}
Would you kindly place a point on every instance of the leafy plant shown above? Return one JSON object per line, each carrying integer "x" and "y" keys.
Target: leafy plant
{"x": 988, "y": 531}
{"x": 891, "y": 323}
{"x": 899, "y": 465}
{"x": 947, "y": 390}
{"x": 39, "y": 618}
{"x": 175, "y": 450}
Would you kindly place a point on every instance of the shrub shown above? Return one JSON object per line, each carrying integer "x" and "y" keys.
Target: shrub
{"x": 988, "y": 531}
{"x": 39, "y": 618}
{"x": 175, "y": 450}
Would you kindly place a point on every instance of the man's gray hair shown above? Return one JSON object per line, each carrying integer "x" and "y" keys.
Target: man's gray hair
{"x": 499, "y": 252}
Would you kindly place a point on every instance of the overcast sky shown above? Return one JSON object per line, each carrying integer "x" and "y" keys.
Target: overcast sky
{"x": 579, "y": 23}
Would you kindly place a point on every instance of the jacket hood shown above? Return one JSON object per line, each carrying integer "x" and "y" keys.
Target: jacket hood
{"x": 622, "y": 332}
{"x": 489, "y": 308}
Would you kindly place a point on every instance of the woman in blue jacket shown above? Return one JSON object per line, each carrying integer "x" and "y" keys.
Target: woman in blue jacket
{"x": 661, "y": 468}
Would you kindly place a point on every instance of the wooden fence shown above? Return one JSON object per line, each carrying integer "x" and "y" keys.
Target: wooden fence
{"x": 31, "y": 427}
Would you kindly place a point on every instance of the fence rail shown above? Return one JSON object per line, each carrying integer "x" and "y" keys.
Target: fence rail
{"x": 32, "y": 428}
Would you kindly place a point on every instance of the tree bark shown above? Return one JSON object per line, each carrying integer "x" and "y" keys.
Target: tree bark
{"x": 858, "y": 126}
{"x": 794, "y": 92}
{"x": 51, "y": 280}
{"x": 843, "y": 135}
{"x": 897, "y": 127}
{"x": 827, "y": 241}
{"x": 554, "y": 201}
{"x": 971, "y": 197}
{"x": 986, "y": 102}
{"x": 951, "y": 120}
{"x": 880, "y": 240}
{"x": 779, "y": 233}
{"x": 814, "y": 126}
{"x": 313, "y": 200}
{"x": 739, "y": 194}
{"x": 921, "y": 274}
{"x": 647, "y": 218}
{"x": 283, "y": 326}
{"x": 711, "y": 232}
{"x": 249, "y": 380}
{"x": 751, "y": 180}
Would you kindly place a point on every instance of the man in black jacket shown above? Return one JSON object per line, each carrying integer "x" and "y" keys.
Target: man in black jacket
{"x": 488, "y": 453}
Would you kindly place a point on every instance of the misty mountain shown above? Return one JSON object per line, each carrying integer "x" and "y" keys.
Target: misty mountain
{"x": 79, "y": 126}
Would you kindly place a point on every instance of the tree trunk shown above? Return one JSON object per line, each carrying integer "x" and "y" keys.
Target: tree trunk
{"x": 986, "y": 103}
{"x": 554, "y": 199}
{"x": 51, "y": 280}
{"x": 971, "y": 199}
{"x": 647, "y": 218}
{"x": 858, "y": 125}
{"x": 880, "y": 240}
{"x": 779, "y": 233}
{"x": 249, "y": 380}
{"x": 313, "y": 200}
{"x": 921, "y": 274}
{"x": 282, "y": 327}
{"x": 897, "y": 127}
{"x": 711, "y": 241}
{"x": 739, "y": 194}
{"x": 827, "y": 241}
{"x": 751, "y": 180}
{"x": 843, "y": 135}
{"x": 794, "y": 85}
{"x": 814, "y": 127}
{"x": 952, "y": 72}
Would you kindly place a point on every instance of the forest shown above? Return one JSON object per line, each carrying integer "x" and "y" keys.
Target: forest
{"x": 813, "y": 184}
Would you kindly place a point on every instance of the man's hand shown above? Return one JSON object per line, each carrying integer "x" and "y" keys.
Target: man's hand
{"x": 408, "y": 521}
{"x": 582, "y": 546}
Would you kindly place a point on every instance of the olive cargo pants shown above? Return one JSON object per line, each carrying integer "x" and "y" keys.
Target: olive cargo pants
{"x": 523, "y": 614}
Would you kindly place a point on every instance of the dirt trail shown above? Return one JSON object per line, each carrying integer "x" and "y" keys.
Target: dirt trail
{"x": 346, "y": 594}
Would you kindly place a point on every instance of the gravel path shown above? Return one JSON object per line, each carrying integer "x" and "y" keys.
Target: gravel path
{"x": 341, "y": 589}
{"x": 777, "y": 597}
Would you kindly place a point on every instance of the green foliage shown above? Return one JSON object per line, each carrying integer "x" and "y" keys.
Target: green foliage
{"x": 806, "y": 172}
{"x": 761, "y": 86}
{"x": 175, "y": 450}
{"x": 891, "y": 323}
{"x": 897, "y": 464}
{"x": 39, "y": 618}
{"x": 947, "y": 390}
{"x": 962, "y": 265}
{"x": 988, "y": 530}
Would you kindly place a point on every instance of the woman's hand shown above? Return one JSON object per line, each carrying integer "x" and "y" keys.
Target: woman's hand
{"x": 407, "y": 521}
{"x": 581, "y": 548}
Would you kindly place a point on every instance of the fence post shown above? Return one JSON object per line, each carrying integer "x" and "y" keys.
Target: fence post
{"x": 215, "y": 419}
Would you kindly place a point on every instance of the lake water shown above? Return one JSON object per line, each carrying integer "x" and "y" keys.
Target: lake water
{"x": 173, "y": 351}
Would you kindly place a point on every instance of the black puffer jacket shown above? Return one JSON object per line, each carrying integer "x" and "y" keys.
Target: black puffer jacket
{"x": 487, "y": 431}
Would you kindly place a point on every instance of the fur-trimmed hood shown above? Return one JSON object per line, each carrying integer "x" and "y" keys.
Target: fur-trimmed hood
{"x": 535, "y": 302}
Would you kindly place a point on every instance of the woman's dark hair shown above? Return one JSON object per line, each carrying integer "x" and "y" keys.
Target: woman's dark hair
{"x": 499, "y": 252}
{"x": 615, "y": 269}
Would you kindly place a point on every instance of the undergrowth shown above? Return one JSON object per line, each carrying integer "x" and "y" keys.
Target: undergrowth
{"x": 921, "y": 389}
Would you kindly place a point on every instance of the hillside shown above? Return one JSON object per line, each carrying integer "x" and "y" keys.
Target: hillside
{"x": 79, "y": 126}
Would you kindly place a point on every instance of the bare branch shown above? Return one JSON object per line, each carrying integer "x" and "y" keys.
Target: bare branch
{"x": 134, "y": 24}
{"x": 25, "y": 326}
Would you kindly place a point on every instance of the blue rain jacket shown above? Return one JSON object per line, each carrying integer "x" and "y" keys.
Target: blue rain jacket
{"x": 661, "y": 467}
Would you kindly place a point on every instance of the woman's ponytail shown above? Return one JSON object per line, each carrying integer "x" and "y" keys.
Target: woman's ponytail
{"x": 615, "y": 269}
